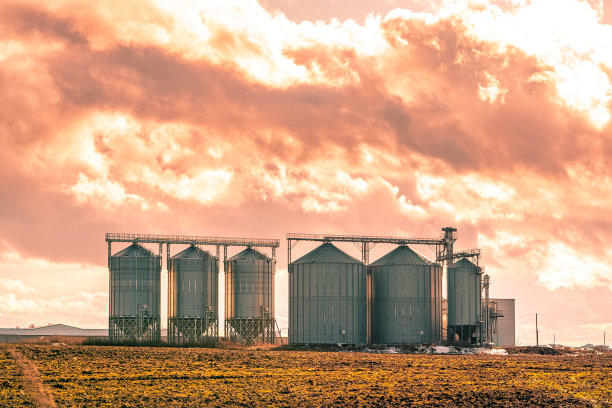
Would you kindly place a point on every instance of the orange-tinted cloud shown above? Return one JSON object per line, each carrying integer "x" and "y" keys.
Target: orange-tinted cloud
{"x": 223, "y": 119}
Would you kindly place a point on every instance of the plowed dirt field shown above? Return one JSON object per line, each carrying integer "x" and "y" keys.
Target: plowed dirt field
{"x": 94, "y": 376}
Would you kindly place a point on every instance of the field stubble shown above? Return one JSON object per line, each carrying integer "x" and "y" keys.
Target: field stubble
{"x": 96, "y": 376}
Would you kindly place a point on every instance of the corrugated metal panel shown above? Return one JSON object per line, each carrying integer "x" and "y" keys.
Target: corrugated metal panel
{"x": 135, "y": 282}
{"x": 135, "y": 294}
{"x": 327, "y": 298}
{"x": 406, "y": 299}
{"x": 193, "y": 284}
{"x": 327, "y": 253}
{"x": 464, "y": 301}
{"x": 193, "y": 296}
{"x": 249, "y": 285}
{"x": 402, "y": 255}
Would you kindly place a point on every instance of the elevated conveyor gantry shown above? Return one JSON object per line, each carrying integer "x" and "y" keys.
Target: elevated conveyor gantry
{"x": 442, "y": 245}
{"x": 192, "y": 240}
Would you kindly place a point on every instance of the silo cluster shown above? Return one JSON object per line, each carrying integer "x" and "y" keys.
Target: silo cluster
{"x": 134, "y": 309}
{"x": 329, "y": 297}
{"x": 192, "y": 296}
{"x": 333, "y": 297}
{"x": 249, "y": 297}
{"x": 193, "y": 289}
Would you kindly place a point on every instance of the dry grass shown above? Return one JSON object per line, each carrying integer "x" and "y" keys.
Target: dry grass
{"x": 142, "y": 377}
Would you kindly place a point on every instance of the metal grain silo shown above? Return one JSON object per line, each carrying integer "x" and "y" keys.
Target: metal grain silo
{"x": 249, "y": 297}
{"x": 327, "y": 298}
{"x": 193, "y": 291}
{"x": 406, "y": 298}
{"x": 464, "y": 301}
{"x": 135, "y": 290}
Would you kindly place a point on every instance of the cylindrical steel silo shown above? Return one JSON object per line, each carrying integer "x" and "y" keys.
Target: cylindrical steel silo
{"x": 135, "y": 301}
{"x": 249, "y": 297}
{"x": 406, "y": 298}
{"x": 464, "y": 302}
{"x": 193, "y": 290}
{"x": 327, "y": 298}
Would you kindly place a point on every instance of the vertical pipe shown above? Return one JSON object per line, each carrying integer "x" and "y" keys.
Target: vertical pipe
{"x": 167, "y": 256}
{"x": 487, "y": 311}
{"x": 537, "y": 339}
{"x": 216, "y": 291}
{"x": 110, "y": 295}
{"x": 368, "y": 306}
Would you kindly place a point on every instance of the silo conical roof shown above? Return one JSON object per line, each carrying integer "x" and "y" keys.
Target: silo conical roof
{"x": 193, "y": 252}
{"x": 249, "y": 254}
{"x": 465, "y": 263}
{"x": 402, "y": 255}
{"x": 135, "y": 250}
{"x": 327, "y": 253}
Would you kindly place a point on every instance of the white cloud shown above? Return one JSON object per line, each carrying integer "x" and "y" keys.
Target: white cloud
{"x": 87, "y": 310}
{"x": 568, "y": 268}
{"x": 13, "y": 285}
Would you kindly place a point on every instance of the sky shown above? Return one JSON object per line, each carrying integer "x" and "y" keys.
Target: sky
{"x": 247, "y": 119}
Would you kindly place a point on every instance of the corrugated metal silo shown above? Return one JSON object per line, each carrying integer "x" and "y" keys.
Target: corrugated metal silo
{"x": 327, "y": 298}
{"x": 249, "y": 297}
{"x": 406, "y": 298}
{"x": 193, "y": 291}
{"x": 464, "y": 301}
{"x": 134, "y": 304}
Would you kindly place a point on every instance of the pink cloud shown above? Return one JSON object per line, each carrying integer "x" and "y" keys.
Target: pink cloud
{"x": 162, "y": 122}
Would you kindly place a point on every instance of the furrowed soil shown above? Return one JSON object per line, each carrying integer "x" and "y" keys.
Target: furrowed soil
{"x": 95, "y": 376}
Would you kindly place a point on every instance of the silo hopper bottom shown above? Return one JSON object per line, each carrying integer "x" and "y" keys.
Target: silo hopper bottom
{"x": 183, "y": 330}
{"x": 464, "y": 333}
{"x": 134, "y": 328}
{"x": 250, "y": 330}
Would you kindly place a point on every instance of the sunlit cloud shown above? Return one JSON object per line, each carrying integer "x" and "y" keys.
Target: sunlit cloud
{"x": 226, "y": 118}
{"x": 568, "y": 268}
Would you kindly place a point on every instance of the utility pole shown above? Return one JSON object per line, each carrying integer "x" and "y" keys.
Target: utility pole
{"x": 554, "y": 340}
{"x": 604, "y": 339}
{"x": 537, "y": 339}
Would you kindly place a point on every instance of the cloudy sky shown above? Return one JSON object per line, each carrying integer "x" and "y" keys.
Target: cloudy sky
{"x": 240, "y": 118}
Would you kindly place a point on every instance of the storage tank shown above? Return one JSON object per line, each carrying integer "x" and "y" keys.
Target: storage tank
{"x": 327, "y": 298}
{"x": 193, "y": 289}
{"x": 134, "y": 304}
{"x": 406, "y": 298}
{"x": 464, "y": 302}
{"x": 249, "y": 297}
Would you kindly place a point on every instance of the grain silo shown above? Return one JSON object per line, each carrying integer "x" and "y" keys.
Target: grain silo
{"x": 249, "y": 297}
{"x": 464, "y": 302}
{"x": 134, "y": 304}
{"x": 193, "y": 290}
{"x": 327, "y": 298}
{"x": 406, "y": 298}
